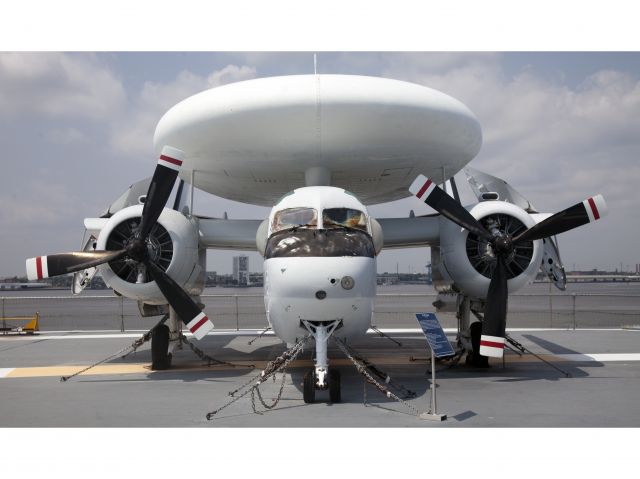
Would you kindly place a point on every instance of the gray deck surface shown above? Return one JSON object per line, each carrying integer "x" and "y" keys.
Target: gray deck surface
{"x": 524, "y": 393}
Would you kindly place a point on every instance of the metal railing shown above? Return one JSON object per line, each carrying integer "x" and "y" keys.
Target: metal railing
{"x": 237, "y": 311}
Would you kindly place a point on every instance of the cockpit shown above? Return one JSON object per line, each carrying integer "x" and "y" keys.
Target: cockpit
{"x": 331, "y": 232}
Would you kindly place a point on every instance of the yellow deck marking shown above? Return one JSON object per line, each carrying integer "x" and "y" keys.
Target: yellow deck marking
{"x": 145, "y": 368}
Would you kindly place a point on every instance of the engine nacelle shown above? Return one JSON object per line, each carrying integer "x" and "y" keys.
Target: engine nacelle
{"x": 465, "y": 261}
{"x": 172, "y": 245}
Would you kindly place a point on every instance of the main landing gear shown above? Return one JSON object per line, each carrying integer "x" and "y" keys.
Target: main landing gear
{"x": 469, "y": 334}
{"x": 321, "y": 377}
{"x": 164, "y": 340}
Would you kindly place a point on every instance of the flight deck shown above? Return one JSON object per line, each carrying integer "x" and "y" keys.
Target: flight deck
{"x": 521, "y": 391}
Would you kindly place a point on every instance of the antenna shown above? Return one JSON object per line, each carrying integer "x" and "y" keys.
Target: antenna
{"x": 315, "y": 64}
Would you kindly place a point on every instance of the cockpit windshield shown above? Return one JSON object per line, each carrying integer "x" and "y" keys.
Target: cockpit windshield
{"x": 292, "y": 217}
{"x": 346, "y": 217}
{"x": 306, "y": 242}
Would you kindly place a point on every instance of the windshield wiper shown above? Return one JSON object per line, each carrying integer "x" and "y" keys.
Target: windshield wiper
{"x": 295, "y": 228}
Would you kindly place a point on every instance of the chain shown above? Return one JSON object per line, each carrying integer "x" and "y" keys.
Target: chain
{"x": 280, "y": 363}
{"x": 407, "y": 393}
{"x": 265, "y": 405}
{"x": 205, "y": 357}
{"x": 129, "y": 349}
{"x": 362, "y": 369}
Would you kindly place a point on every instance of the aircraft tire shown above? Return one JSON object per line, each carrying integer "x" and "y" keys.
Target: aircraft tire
{"x": 334, "y": 385}
{"x": 160, "y": 359}
{"x": 309, "y": 389}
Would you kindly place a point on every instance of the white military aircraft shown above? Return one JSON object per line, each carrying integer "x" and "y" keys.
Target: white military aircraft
{"x": 320, "y": 148}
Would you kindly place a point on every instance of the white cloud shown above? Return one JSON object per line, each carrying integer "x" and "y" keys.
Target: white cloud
{"x": 230, "y": 74}
{"x": 133, "y": 135}
{"x": 540, "y": 134}
{"x": 65, "y": 136}
{"x": 58, "y": 85}
{"x": 41, "y": 202}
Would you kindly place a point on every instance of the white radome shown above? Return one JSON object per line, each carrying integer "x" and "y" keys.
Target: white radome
{"x": 252, "y": 141}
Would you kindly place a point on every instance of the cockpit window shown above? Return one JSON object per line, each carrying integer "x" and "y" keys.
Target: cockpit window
{"x": 293, "y": 217}
{"x": 320, "y": 243}
{"x": 344, "y": 217}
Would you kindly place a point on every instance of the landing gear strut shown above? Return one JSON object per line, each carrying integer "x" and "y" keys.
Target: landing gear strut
{"x": 321, "y": 377}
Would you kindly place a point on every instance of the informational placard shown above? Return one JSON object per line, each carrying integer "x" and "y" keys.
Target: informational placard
{"x": 435, "y": 335}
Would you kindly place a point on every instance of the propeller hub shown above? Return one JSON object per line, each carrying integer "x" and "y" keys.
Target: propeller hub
{"x": 137, "y": 249}
{"x": 503, "y": 245}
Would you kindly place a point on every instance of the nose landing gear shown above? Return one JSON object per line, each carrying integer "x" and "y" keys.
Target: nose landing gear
{"x": 321, "y": 377}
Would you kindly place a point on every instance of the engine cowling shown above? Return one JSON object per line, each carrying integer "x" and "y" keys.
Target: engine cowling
{"x": 172, "y": 245}
{"x": 466, "y": 261}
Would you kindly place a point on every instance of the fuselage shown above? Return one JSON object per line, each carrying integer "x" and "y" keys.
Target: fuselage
{"x": 320, "y": 263}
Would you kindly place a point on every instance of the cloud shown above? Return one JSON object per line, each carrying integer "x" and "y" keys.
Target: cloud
{"x": 41, "y": 202}
{"x": 541, "y": 134}
{"x": 134, "y": 134}
{"x": 58, "y": 85}
{"x": 65, "y": 136}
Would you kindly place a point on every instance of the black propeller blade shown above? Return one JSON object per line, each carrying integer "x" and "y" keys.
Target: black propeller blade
{"x": 188, "y": 311}
{"x": 495, "y": 312}
{"x": 160, "y": 188}
{"x": 428, "y": 192}
{"x": 136, "y": 249}
{"x": 494, "y": 323}
{"x": 589, "y": 210}
{"x": 56, "y": 264}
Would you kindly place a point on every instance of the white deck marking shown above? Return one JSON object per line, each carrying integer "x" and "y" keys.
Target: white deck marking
{"x": 5, "y": 371}
{"x": 605, "y": 357}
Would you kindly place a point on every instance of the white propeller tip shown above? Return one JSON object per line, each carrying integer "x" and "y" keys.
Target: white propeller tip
{"x": 596, "y": 207}
{"x": 37, "y": 268}
{"x": 422, "y": 187}
{"x": 200, "y": 326}
{"x": 491, "y": 346}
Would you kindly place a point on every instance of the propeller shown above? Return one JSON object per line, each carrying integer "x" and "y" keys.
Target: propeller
{"x": 502, "y": 244}
{"x": 136, "y": 249}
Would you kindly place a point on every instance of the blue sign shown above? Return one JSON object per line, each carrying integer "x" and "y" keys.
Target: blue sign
{"x": 435, "y": 335}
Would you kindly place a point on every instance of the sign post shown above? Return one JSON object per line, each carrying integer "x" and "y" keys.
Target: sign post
{"x": 440, "y": 348}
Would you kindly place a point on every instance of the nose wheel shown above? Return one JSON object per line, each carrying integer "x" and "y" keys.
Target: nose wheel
{"x": 321, "y": 377}
{"x": 309, "y": 386}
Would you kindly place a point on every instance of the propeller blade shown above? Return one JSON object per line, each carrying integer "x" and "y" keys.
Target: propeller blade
{"x": 160, "y": 188}
{"x": 589, "y": 210}
{"x": 428, "y": 192}
{"x": 188, "y": 311}
{"x": 42, "y": 267}
{"x": 495, "y": 315}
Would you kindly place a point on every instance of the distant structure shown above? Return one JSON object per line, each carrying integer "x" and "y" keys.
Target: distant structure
{"x": 241, "y": 270}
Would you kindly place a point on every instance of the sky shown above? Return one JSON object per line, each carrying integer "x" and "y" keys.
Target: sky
{"x": 77, "y": 129}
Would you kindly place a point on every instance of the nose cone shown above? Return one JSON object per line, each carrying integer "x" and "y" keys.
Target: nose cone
{"x": 319, "y": 289}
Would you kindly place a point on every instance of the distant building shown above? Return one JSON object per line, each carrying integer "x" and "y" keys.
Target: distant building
{"x": 241, "y": 270}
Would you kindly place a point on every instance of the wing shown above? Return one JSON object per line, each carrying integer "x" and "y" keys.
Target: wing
{"x": 408, "y": 232}
{"x": 229, "y": 234}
